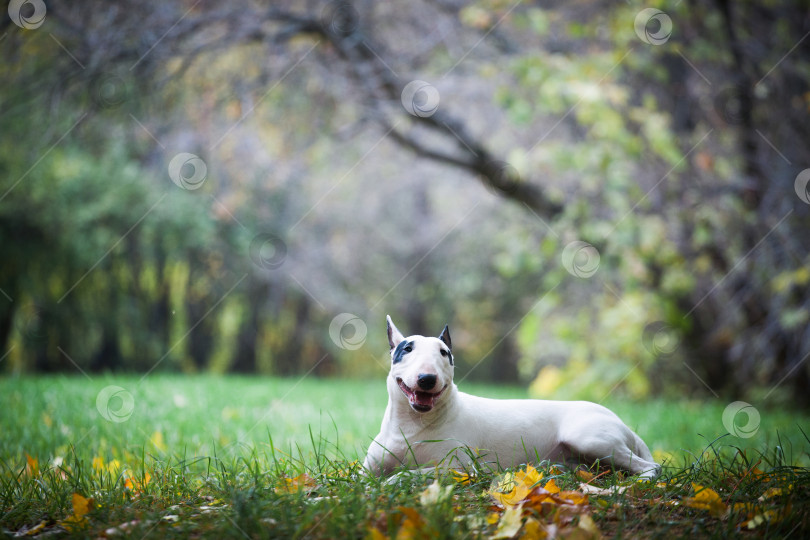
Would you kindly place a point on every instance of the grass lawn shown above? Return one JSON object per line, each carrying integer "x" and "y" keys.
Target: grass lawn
{"x": 268, "y": 457}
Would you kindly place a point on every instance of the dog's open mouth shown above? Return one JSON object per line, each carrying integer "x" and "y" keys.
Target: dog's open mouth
{"x": 419, "y": 400}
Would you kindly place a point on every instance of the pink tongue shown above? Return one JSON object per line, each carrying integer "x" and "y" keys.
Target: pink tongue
{"x": 423, "y": 398}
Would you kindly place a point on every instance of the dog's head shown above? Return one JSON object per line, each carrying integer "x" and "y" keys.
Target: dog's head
{"x": 422, "y": 367}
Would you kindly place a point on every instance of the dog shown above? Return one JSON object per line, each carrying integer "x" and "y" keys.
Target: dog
{"x": 429, "y": 423}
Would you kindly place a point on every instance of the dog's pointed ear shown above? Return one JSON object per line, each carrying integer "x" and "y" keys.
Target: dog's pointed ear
{"x": 445, "y": 337}
{"x": 394, "y": 335}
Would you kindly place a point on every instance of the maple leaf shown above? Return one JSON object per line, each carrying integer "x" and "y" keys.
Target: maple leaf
{"x": 551, "y": 487}
{"x": 706, "y": 499}
{"x": 519, "y": 485}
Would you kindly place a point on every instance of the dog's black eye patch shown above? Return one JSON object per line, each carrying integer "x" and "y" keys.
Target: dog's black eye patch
{"x": 447, "y": 354}
{"x": 402, "y": 349}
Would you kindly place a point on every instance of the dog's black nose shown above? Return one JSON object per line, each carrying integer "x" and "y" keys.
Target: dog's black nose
{"x": 425, "y": 381}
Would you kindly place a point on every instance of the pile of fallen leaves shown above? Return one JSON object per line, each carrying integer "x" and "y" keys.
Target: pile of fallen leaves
{"x": 530, "y": 504}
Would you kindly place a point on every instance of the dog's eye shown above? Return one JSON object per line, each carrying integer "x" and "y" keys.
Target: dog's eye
{"x": 443, "y": 352}
{"x": 408, "y": 349}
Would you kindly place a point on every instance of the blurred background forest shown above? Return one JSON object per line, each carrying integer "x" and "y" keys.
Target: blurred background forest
{"x": 597, "y": 197}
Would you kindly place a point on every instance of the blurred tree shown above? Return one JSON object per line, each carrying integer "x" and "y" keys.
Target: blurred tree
{"x": 672, "y": 150}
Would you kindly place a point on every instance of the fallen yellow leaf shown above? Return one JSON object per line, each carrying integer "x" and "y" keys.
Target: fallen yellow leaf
{"x": 584, "y": 475}
{"x": 575, "y": 498}
{"x": 413, "y": 526}
{"x": 706, "y": 499}
{"x": 33, "y": 531}
{"x": 301, "y": 482}
{"x": 587, "y": 525}
{"x": 534, "y": 530}
{"x": 435, "y": 494}
{"x": 509, "y": 524}
{"x": 460, "y": 477}
{"x": 519, "y": 485}
{"x": 551, "y": 487}
{"x": 768, "y": 516}
{"x": 373, "y": 533}
{"x": 81, "y": 506}
{"x": 137, "y": 485}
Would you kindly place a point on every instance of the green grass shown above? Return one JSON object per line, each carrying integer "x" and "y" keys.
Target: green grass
{"x": 220, "y": 451}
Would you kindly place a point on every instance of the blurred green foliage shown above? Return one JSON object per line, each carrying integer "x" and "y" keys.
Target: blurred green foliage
{"x": 662, "y": 158}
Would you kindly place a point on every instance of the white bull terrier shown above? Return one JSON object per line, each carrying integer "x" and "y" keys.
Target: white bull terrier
{"x": 429, "y": 423}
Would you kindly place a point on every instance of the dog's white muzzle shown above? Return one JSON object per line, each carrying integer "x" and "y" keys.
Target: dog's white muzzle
{"x": 420, "y": 401}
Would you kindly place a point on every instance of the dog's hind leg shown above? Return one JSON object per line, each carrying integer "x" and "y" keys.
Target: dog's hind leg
{"x": 615, "y": 443}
